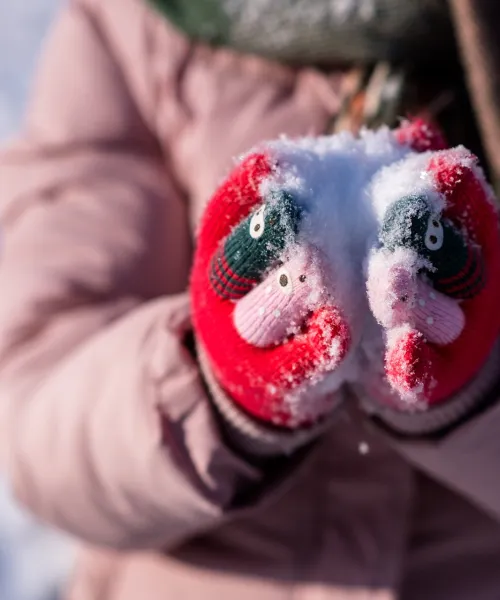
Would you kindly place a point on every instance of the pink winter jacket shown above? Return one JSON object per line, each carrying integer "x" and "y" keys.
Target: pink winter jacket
{"x": 108, "y": 428}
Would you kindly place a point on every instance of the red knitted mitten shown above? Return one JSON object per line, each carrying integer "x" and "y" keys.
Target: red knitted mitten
{"x": 433, "y": 279}
{"x": 261, "y": 306}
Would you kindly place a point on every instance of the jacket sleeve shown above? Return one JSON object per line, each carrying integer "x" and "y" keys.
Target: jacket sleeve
{"x": 466, "y": 458}
{"x": 106, "y": 428}
{"x": 457, "y": 442}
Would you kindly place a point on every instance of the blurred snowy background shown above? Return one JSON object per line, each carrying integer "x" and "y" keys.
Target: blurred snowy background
{"x": 34, "y": 561}
{"x": 23, "y": 24}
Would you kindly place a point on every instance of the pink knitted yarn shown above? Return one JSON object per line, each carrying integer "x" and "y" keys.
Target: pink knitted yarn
{"x": 438, "y": 317}
{"x": 398, "y": 296}
{"x": 278, "y": 307}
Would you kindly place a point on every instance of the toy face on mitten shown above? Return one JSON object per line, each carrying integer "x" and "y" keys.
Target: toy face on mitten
{"x": 431, "y": 282}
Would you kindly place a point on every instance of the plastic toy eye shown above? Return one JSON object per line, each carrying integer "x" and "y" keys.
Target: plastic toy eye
{"x": 434, "y": 236}
{"x": 284, "y": 281}
{"x": 257, "y": 223}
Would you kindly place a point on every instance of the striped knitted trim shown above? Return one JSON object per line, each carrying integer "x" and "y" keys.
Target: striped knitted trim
{"x": 227, "y": 283}
{"x": 469, "y": 282}
{"x": 447, "y": 414}
{"x": 252, "y": 436}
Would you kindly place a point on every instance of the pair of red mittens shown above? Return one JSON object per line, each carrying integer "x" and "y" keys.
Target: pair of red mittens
{"x": 265, "y": 307}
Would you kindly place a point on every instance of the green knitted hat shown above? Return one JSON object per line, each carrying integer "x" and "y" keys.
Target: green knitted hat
{"x": 319, "y": 31}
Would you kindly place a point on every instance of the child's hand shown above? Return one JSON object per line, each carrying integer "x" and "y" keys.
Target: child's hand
{"x": 434, "y": 281}
{"x": 261, "y": 303}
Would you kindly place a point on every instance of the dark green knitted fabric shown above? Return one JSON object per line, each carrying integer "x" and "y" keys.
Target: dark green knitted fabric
{"x": 249, "y": 257}
{"x": 457, "y": 266}
{"x": 244, "y": 258}
{"x": 405, "y": 224}
{"x": 319, "y": 31}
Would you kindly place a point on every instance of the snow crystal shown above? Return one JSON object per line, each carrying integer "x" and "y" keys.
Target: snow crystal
{"x": 392, "y": 284}
{"x": 409, "y": 177}
{"x": 335, "y": 350}
{"x": 363, "y": 448}
{"x": 408, "y": 399}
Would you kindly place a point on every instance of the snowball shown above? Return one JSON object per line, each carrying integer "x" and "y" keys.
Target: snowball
{"x": 345, "y": 185}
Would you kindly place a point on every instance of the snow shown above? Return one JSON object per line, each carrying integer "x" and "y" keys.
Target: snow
{"x": 398, "y": 181}
{"x": 22, "y": 27}
{"x": 332, "y": 177}
{"x": 349, "y": 189}
{"x": 364, "y": 448}
{"x": 34, "y": 560}
{"x": 392, "y": 285}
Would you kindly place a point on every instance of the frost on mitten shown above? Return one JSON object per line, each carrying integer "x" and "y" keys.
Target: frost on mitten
{"x": 431, "y": 279}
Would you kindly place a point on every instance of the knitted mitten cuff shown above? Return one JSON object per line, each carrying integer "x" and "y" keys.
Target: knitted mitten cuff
{"x": 478, "y": 393}
{"x": 253, "y": 437}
